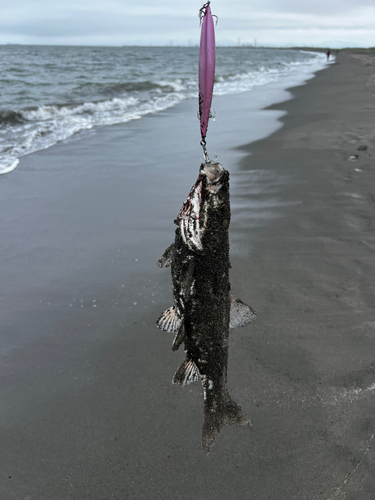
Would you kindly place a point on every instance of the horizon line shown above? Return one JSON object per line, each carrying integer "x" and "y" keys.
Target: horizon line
{"x": 244, "y": 45}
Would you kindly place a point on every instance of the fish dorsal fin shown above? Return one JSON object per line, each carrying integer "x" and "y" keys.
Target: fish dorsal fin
{"x": 187, "y": 373}
{"x": 166, "y": 259}
{"x": 240, "y": 313}
{"x": 169, "y": 320}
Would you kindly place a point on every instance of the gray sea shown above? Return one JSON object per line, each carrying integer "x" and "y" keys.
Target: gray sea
{"x": 49, "y": 93}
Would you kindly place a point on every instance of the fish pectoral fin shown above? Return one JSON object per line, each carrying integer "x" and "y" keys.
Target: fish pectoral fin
{"x": 187, "y": 373}
{"x": 179, "y": 338}
{"x": 169, "y": 320}
{"x": 166, "y": 259}
{"x": 240, "y": 313}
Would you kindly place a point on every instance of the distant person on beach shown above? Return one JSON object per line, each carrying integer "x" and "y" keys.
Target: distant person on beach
{"x": 328, "y": 54}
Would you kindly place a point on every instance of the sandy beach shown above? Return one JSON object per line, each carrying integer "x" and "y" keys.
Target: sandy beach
{"x": 88, "y": 411}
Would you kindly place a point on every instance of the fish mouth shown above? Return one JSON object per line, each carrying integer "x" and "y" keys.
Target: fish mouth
{"x": 213, "y": 171}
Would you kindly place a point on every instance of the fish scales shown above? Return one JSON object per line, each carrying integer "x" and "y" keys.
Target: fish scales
{"x": 203, "y": 309}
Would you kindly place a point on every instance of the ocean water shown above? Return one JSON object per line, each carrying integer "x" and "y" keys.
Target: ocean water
{"x": 49, "y": 93}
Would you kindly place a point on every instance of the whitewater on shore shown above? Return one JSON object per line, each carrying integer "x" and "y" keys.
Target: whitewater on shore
{"x": 52, "y": 93}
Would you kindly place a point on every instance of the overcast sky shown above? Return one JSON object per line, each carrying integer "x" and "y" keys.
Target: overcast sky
{"x": 334, "y": 23}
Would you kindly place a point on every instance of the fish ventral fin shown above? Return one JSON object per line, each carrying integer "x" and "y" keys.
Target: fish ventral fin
{"x": 166, "y": 259}
{"x": 169, "y": 320}
{"x": 187, "y": 373}
{"x": 240, "y": 313}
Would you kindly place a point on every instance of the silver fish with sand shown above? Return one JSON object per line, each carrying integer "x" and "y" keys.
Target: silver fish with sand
{"x": 204, "y": 310}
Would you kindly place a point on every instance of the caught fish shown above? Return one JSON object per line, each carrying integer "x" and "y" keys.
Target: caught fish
{"x": 203, "y": 309}
{"x": 206, "y": 68}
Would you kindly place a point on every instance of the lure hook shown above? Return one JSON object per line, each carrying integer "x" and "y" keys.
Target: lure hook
{"x": 203, "y": 10}
{"x": 205, "y": 154}
{"x": 202, "y": 13}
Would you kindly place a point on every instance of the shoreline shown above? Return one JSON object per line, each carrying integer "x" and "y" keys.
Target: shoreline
{"x": 309, "y": 354}
{"x": 88, "y": 408}
{"x": 137, "y": 178}
{"x": 77, "y": 127}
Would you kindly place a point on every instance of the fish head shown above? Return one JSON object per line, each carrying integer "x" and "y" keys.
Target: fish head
{"x": 209, "y": 193}
{"x": 215, "y": 176}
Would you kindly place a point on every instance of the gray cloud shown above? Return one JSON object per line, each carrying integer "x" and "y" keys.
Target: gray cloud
{"x": 317, "y": 7}
{"x": 125, "y": 21}
{"x": 267, "y": 24}
{"x": 95, "y": 23}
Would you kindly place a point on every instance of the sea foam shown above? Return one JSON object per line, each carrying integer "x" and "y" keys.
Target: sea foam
{"x": 149, "y": 88}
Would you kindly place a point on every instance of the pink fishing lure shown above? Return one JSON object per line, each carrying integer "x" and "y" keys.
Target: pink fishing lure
{"x": 206, "y": 68}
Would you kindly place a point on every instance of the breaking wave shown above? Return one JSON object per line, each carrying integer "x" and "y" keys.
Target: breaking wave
{"x": 28, "y": 129}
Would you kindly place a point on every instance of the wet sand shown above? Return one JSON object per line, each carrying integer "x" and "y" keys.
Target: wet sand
{"x": 88, "y": 410}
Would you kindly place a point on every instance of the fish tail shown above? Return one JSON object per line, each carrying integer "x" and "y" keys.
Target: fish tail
{"x": 211, "y": 428}
{"x": 216, "y": 416}
{"x": 233, "y": 414}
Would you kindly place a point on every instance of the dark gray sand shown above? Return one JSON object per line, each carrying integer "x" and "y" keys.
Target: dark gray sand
{"x": 88, "y": 411}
